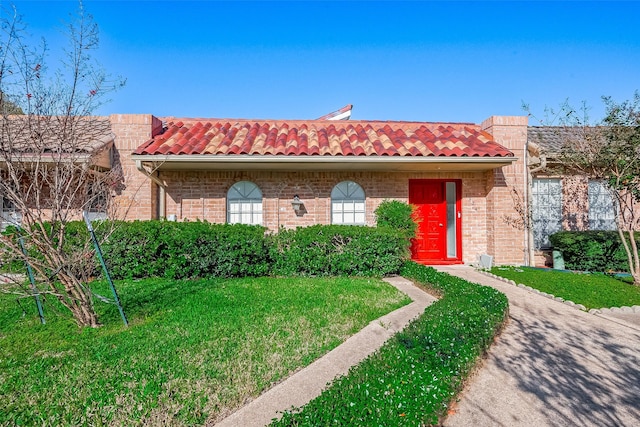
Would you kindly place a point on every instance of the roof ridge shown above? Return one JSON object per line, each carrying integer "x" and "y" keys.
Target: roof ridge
{"x": 194, "y": 120}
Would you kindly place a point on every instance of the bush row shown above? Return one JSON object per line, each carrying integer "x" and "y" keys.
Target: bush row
{"x": 336, "y": 250}
{"x": 176, "y": 250}
{"x": 412, "y": 379}
{"x": 598, "y": 251}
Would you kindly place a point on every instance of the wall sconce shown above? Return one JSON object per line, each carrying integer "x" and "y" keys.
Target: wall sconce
{"x": 298, "y": 205}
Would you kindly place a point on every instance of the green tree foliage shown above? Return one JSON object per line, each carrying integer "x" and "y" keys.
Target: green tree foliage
{"x": 610, "y": 150}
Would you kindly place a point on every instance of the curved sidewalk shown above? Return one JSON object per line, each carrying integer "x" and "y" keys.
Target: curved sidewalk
{"x": 553, "y": 365}
{"x": 309, "y": 382}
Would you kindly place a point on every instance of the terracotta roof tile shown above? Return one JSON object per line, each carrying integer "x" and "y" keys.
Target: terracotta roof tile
{"x": 322, "y": 138}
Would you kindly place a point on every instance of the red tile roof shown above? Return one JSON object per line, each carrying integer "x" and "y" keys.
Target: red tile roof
{"x": 322, "y": 138}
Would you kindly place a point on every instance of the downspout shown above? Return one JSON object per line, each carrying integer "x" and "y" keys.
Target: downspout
{"x": 162, "y": 193}
{"x": 528, "y": 259}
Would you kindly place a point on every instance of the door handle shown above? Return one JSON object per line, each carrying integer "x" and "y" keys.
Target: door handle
{"x": 440, "y": 225}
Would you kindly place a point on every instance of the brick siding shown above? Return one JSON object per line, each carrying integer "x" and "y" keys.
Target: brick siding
{"x": 191, "y": 195}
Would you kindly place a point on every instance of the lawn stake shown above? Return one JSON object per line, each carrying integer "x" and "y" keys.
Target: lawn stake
{"x": 36, "y": 295}
{"x": 104, "y": 267}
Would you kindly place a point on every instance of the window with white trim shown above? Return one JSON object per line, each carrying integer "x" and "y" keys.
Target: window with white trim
{"x": 244, "y": 204}
{"x": 546, "y": 209}
{"x": 347, "y": 204}
{"x": 601, "y": 210}
{"x": 9, "y": 215}
{"x": 97, "y": 201}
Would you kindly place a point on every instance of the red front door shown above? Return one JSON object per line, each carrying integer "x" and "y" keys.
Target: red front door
{"x": 437, "y": 213}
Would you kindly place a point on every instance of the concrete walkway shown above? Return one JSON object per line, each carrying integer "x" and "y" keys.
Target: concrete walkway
{"x": 553, "y": 365}
{"x": 308, "y": 383}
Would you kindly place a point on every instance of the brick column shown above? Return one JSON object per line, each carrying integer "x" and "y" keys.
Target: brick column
{"x": 137, "y": 199}
{"x": 504, "y": 241}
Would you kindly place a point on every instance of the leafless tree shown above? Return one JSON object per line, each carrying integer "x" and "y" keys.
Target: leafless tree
{"x": 54, "y": 159}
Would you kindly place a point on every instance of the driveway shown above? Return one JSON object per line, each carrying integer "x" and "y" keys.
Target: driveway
{"x": 553, "y": 365}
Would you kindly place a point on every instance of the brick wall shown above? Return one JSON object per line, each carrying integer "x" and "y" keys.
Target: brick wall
{"x": 505, "y": 242}
{"x": 486, "y": 196}
{"x": 136, "y": 198}
{"x": 575, "y": 203}
{"x": 202, "y": 195}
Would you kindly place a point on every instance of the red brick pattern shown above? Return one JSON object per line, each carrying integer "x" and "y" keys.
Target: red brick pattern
{"x": 193, "y": 195}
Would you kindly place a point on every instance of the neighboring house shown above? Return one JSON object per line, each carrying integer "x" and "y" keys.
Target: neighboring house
{"x": 561, "y": 201}
{"x": 32, "y": 147}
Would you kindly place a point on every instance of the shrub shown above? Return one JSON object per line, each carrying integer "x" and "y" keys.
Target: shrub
{"x": 396, "y": 215}
{"x": 594, "y": 250}
{"x": 177, "y": 250}
{"x": 415, "y": 375}
{"x": 186, "y": 250}
{"x": 337, "y": 250}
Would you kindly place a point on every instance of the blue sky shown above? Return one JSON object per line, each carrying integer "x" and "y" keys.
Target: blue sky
{"x": 418, "y": 61}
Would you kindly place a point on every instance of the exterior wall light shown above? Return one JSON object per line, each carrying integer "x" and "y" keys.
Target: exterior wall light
{"x": 298, "y": 205}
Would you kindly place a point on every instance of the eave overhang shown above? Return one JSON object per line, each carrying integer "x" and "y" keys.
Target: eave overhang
{"x": 321, "y": 163}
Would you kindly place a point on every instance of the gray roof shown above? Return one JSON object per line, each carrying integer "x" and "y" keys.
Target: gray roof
{"x": 550, "y": 139}
{"x": 52, "y": 134}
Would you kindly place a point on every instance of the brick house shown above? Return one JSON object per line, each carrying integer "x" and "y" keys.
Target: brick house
{"x": 561, "y": 201}
{"x": 460, "y": 175}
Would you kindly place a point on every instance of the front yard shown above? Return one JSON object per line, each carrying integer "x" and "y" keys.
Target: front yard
{"x": 591, "y": 290}
{"x": 194, "y": 349}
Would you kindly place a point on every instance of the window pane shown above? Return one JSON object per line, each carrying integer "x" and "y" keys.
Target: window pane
{"x": 348, "y": 203}
{"x": 547, "y": 210}
{"x": 244, "y": 203}
{"x": 601, "y": 207}
{"x": 349, "y": 218}
{"x": 452, "y": 246}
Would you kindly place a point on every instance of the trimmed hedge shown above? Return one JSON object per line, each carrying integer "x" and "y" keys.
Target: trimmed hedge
{"x": 412, "y": 379}
{"x": 338, "y": 250}
{"x": 598, "y": 251}
{"x": 179, "y": 250}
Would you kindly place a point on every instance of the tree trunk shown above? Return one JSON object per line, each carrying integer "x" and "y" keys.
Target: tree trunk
{"x": 633, "y": 258}
{"x": 78, "y": 300}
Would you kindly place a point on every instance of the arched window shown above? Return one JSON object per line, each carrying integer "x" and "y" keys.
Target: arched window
{"x": 347, "y": 204}
{"x": 244, "y": 204}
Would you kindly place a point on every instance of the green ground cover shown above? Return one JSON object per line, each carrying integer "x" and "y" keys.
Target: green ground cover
{"x": 412, "y": 379}
{"x": 591, "y": 290}
{"x": 194, "y": 349}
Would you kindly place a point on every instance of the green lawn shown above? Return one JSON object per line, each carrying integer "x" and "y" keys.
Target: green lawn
{"x": 590, "y": 290}
{"x": 194, "y": 349}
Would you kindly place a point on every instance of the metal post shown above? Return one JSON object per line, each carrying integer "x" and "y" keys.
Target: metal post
{"x": 36, "y": 295}
{"x": 104, "y": 267}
